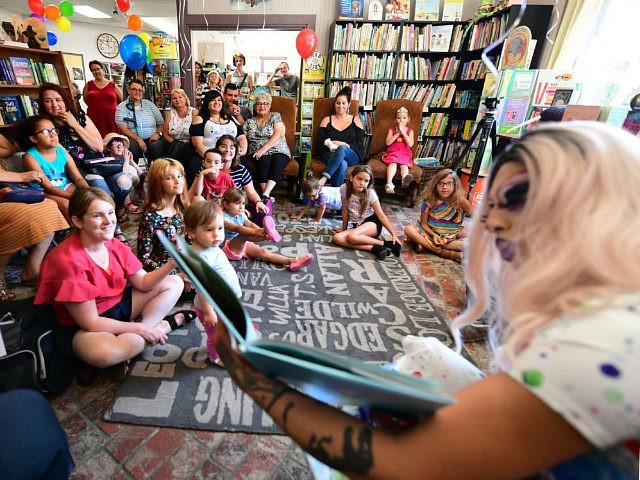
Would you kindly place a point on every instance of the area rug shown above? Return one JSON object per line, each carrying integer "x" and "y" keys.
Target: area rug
{"x": 346, "y": 301}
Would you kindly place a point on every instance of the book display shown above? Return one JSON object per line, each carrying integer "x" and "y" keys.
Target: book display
{"x": 22, "y": 70}
{"x": 312, "y": 86}
{"x": 115, "y": 72}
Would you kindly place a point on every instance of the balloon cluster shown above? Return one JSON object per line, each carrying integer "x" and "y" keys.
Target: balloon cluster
{"x": 60, "y": 14}
{"x": 134, "y": 22}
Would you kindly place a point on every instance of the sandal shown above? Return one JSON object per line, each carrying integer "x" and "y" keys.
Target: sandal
{"x": 389, "y": 188}
{"x": 5, "y": 294}
{"x": 121, "y": 236}
{"x": 188, "y": 316}
{"x": 132, "y": 208}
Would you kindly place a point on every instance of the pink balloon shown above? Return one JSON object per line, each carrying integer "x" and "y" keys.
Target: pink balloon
{"x": 306, "y": 42}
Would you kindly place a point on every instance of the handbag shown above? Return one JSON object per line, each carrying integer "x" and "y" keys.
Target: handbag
{"x": 19, "y": 193}
{"x": 104, "y": 168}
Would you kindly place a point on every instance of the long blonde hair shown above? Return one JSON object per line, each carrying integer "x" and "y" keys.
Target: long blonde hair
{"x": 577, "y": 234}
{"x": 155, "y": 192}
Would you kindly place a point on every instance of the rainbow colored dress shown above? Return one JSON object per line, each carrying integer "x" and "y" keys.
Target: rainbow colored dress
{"x": 444, "y": 220}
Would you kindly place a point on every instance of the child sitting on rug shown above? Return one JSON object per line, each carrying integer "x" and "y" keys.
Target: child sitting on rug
{"x": 204, "y": 222}
{"x": 212, "y": 181}
{"x": 241, "y": 232}
{"x": 361, "y": 208}
{"x": 320, "y": 196}
{"x": 399, "y": 142}
{"x": 439, "y": 228}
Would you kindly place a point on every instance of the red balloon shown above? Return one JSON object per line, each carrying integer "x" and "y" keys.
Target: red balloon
{"x": 124, "y": 5}
{"x": 36, "y": 6}
{"x": 306, "y": 42}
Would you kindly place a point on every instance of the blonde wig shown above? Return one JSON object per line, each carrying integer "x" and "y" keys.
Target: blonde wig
{"x": 155, "y": 193}
{"x": 577, "y": 236}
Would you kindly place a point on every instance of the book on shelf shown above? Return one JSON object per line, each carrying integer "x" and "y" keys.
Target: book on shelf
{"x": 305, "y": 126}
{"x": 307, "y": 109}
{"x": 307, "y": 91}
{"x": 351, "y": 9}
{"x": 514, "y": 113}
{"x": 305, "y": 144}
{"x": 562, "y": 96}
{"x": 396, "y": 10}
{"x": 12, "y": 109}
{"x": 318, "y": 90}
{"x": 427, "y": 10}
{"x": 326, "y": 376}
{"x": 440, "y": 38}
{"x": 452, "y": 10}
{"x": 614, "y": 115}
{"x": 22, "y": 71}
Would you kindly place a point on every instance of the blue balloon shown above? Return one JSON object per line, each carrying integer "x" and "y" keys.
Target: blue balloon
{"x": 150, "y": 66}
{"x": 52, "y": 38}
{"x": 133, "y": 51}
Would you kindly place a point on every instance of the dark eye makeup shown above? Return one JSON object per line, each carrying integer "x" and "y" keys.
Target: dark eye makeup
{"x": 513, "y": 194}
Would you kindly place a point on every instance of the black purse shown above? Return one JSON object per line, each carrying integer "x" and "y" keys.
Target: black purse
{"x": 19, "y": 193}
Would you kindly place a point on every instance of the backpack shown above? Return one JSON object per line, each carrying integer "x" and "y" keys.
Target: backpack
{"x": 32, "y": 359}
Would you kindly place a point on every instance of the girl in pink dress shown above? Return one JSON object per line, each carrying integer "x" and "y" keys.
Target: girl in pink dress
{"x": 399, "y": 142}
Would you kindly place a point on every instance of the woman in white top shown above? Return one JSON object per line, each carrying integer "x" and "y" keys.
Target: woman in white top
{"x": 175, "y": 132}
{"x": 242, "y": 79}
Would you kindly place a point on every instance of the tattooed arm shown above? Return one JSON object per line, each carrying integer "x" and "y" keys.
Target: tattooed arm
{"x": 479, "y": 437}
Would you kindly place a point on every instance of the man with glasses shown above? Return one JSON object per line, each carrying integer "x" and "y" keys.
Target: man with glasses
{"x": 239, "y": 113}
{"x": 140, "y": 120}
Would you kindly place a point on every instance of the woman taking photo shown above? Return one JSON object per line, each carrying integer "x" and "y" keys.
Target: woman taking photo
{"x": 211, "y": 123}
{"x": 175, "y": 133}
{"x": 102, "y": 96}
{"x": 107, "y": 307}
{"x": 268, "y": 149}
{"x": 553, "y": 261}
{"x": 340, "y": 140}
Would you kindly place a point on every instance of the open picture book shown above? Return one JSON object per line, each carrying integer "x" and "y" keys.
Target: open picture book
{"x": 326, "y": 376}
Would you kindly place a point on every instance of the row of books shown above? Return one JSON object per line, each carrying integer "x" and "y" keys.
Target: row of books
{"x": 15, "y": 108}
{"x": 366, "y": 37}
{"x": 486, "y": 32}
{"x": 352, "y": 65}
{"x": 431, "y": 38}
{"x": 466, "y": 99}
{"x": 421, "y": 68}
{"x": 430, "y": 147}
{"x": 434, "y": 125}
{"x": 26, "y": 71}
{"x": 367, "y": 119}
{"x": 433, "y": 96}
{"x": 461, "y": 129}
{"x": 475, "y": 69}
{"x": 367, "y": 93}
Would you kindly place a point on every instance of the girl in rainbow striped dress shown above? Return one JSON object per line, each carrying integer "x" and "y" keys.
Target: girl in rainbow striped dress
{"x": 439, "y": 229}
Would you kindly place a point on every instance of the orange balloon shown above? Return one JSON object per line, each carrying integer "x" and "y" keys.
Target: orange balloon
{"x": 52, "y": 12}
{"x": 134, "y": 22}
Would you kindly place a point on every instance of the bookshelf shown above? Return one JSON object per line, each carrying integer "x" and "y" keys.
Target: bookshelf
{"x": 20, "y": 80}
{"x": 115, "y": 72}
{"x": 435, "y": 62}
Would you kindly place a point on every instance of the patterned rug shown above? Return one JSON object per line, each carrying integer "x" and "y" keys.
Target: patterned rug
{"x": 346, "y": 301}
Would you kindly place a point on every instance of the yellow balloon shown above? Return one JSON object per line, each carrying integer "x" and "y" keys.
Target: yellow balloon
{"x": 64, "y": 24}
{"x": 145, "y": 37}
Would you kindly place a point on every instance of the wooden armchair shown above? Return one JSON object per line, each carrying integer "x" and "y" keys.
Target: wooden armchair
{"x": 385, "y": 119}
{"x": 288, "y": 110}
{"x": 323, "y": 107}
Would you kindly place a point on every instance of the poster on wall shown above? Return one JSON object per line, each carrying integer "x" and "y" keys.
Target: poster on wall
{"x": 249, "y": 4}
{"x": 163, "y": 46}
{"x": 314, "y": 68}
{"x": 351, "y": 9}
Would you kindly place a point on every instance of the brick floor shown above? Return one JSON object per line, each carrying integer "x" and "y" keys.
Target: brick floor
{"x": 119, "y": 451}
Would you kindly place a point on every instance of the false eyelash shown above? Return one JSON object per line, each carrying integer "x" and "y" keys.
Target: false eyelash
{"x": 514, "y": 196}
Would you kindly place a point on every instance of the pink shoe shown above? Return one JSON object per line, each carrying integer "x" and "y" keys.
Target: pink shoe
{"x": 301, "y": 261}
{"x": 270, "y": 227}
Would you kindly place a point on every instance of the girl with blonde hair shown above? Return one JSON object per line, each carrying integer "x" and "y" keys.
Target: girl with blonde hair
{"x": 554, "y": 258}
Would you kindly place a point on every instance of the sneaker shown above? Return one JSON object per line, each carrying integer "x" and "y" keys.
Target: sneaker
{"x": 380, "y": 251}
{"x": 389, "y": 188}
{"x": 301, "y": 261}
{"x": 270, "y": 228}
{"x": 395, "y": 248}
{"x": 407, "y": 180}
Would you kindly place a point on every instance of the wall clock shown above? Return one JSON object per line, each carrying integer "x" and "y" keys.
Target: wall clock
{"x": 108, "y": 45}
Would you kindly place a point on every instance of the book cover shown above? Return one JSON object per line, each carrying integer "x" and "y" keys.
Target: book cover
{"x": 307, "y": 109}
{"x": 522, "y": 83}
{"x": 305, "y": 144}
{"x": 427, "y": 10}
{"x": 514, "y": 113}
{"x": 307, "y": 91}
{"x": 12, "y": 108}
{"x": 397, "y": 10}
{"x": 452, "y": 10}
{"x": 22, "y": 70}
{"x": 326, "y": 376}
{"x": 305, "y": 127}
{"x": 581, "y": 112}
{"x": 440, "y": 38}
{"x": 561, "y": 96}
{"x": 351, "y": 9}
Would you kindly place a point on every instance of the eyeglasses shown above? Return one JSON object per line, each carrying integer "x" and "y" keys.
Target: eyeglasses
{"x": 138, "y": 90}
{"x": 445, "y": 184}
{"x": 47, "y": 132}
{"x": 262, "y": 104}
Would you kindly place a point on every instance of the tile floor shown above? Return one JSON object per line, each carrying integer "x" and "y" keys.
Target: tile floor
{"x": 121, "y": 451}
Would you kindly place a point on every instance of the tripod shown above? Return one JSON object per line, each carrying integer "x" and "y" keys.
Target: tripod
{"x": 487, "y": 129}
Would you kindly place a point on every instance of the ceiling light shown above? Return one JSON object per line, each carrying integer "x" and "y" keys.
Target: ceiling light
{"x": 90, "y": 12}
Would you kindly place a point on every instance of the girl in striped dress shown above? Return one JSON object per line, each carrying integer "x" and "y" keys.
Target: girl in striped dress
{"x": 443, "y": 207}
